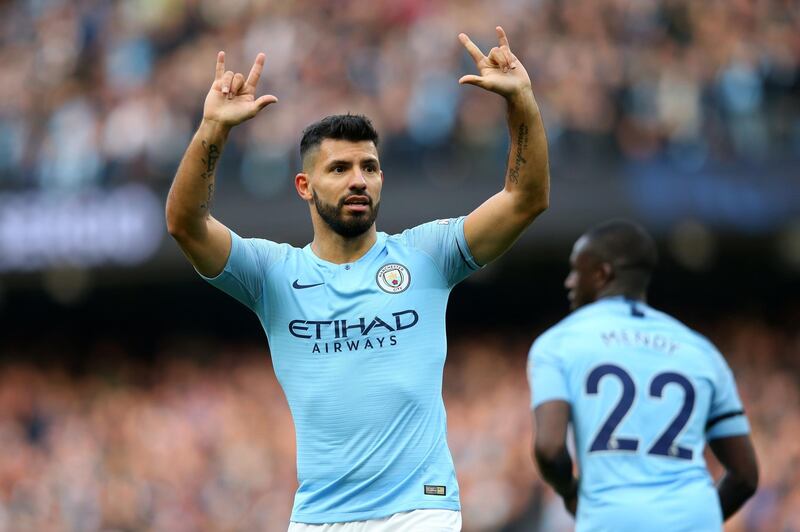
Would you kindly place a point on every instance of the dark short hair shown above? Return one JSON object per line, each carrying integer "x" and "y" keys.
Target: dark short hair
{"x": 354, "y": 128}
{"x": 628, "y": 247}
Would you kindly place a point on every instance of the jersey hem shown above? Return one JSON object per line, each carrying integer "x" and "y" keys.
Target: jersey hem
{"x": 345, "y": 517}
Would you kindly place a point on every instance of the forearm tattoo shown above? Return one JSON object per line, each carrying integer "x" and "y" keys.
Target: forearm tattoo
{"x": 519, "y": 160}
{"x": 207, "y": 205}
{"x": 211, "y": 162}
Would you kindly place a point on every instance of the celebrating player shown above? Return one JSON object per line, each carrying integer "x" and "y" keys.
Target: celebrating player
{"x": 355, "y": 320}
{"x": 643, "y": 392}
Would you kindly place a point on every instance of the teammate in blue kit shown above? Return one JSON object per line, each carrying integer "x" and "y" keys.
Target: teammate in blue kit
{"x": 644, "y": 393}
{"x": 356, "y": 319}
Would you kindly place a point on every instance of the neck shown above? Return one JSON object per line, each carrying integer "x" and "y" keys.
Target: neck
{"x": 615, "y": 290}
{"x": 333, "y": 247}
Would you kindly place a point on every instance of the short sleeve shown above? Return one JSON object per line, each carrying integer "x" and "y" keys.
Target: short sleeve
{"x": 726, "y": 415}
{"x": 244, "y": 273}
{"x": 445, "y": 243}
{"x": 546, "y": 374}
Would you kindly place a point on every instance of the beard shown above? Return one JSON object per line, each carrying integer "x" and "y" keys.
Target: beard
{"x": 346, "y": 226}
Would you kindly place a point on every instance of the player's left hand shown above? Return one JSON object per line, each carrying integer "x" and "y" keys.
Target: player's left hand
{"x": 500, "y": 71}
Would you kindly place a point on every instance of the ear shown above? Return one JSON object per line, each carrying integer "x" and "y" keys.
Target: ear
{"x": 301, "y": 184}
{"x": 605, "y": 274}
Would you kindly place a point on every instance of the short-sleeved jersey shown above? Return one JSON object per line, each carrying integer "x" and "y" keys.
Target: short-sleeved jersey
{"x": 646, "y": 393}
{"x": 359, "y": 351}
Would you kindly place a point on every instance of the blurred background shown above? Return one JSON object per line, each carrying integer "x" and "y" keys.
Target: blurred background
{"x": 133, "y": 396}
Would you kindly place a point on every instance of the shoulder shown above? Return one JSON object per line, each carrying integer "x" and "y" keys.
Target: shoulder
{"x": 440, "y": 240}
{"x": 687, "y": 334}
{"x": 704, "y": 352}
{"x": 263, "y": 243}
{"x": 582, "y": 318}
{"x": 576, "y": 326}
{"x": 417, "y": 234}
{"x": 554, "y": 337}
{"x": 266, "y": 253}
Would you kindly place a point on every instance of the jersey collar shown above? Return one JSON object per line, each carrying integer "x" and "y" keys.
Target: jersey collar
{"x": 377, "y": 246}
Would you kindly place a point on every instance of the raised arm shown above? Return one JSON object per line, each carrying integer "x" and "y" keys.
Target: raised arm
{"x": 230, "y": 101}
{"x": 494, "y": 226}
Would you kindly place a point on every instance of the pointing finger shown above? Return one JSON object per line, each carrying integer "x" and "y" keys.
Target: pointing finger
{"x": 471, "y": 47}
{"x": 501, "y": 36}
{"x": 220, "y": 66}
{"x": 255, "y": 72}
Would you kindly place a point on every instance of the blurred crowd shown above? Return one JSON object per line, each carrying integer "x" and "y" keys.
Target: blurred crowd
{"x": 97, "y": 92}
{"x": 193, "y": 443}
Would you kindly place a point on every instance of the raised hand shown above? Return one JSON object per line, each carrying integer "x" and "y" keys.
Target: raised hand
{"x": 500, "y": 71}
{"x": 232, "y": 99}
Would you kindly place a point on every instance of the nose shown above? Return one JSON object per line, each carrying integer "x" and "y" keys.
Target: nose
{"x": 569, "y": 282}
{"x": 358, "y": 181}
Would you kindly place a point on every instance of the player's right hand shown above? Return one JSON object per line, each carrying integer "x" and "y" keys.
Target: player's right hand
{"x": 232, "y": 99}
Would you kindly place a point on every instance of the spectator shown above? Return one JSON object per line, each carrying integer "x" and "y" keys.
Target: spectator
{"x": 690, "y": 79}
{"x": 192, "y": 446}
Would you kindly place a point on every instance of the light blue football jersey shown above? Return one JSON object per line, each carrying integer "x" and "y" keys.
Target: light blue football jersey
{"x": 359, "y": 351}
{"x": 646, "y": 393}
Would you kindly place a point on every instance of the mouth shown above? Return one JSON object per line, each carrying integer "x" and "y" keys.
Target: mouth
{"x": 357, "y": 203}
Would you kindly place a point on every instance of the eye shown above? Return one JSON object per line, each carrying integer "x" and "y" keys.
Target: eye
{"x": 371, "y": 168}
{"x": 338, "y": 169}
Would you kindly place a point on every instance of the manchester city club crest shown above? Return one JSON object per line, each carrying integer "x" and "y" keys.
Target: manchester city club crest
{"x": 393, "y": 278}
